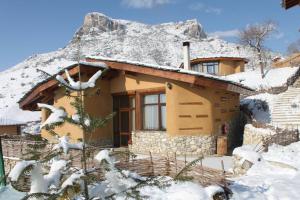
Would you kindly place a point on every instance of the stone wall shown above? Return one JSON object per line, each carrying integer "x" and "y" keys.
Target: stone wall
{"x": 158, "y": 142}
{"x": 267, "y": 135}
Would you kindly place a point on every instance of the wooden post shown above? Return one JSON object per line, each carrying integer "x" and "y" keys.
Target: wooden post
{"x": 222, "y": 145}
{"x": 223, "y": 168}
{"x": 2, "y": 167}
{"x": 175, "y": 162}
{"x": 151, "y": 162}
{"x": 202, "y": 170}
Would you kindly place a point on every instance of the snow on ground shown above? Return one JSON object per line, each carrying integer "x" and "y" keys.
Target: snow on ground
{"x": 261, "y": 106}
{"x": 276, "y": 176}
{"x": 9, "y": 193}
{"x": 275, "y": 77}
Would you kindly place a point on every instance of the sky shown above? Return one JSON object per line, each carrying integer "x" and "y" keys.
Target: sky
{"x": 38, "y": 26}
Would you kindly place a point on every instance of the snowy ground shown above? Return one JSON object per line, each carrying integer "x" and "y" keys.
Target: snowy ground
{"x": 276, "y": 176}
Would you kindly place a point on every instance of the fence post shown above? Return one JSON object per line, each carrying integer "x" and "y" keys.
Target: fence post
{"x": 2, "y": 166}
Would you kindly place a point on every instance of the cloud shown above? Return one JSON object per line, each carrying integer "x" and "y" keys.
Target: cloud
{"x": 205, "y": 8}
{"x": 144, "y": 3}
{"x": 225, "y": 34}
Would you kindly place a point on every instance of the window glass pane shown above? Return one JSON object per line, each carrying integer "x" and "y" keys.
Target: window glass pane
{"x": 124, "y": 121}
{"x": 151, "y": 99}
{"x": 162, "y": 98}
{"x": 163, "y": 117}
{"x": 150, "y": 118}
{"x": 197, "y": 67}
{"x": 124, "y": 101}
{"x": 210, "y": 69}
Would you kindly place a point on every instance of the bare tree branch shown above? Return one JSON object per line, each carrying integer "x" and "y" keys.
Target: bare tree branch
{"x": 255, "y": 36}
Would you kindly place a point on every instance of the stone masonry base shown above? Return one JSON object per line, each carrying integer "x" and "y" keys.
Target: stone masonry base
{"x": 158, "y": 142}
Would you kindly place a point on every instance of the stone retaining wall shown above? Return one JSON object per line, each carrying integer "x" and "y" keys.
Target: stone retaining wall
{"x": 268, "y": 135}
{"x": 158, "y": 142}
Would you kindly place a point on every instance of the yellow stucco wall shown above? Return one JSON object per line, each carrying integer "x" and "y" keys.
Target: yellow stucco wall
{"x": 225, "y": 108}
{"x": 293, "y": 60}
{"x": 100, "y": 105}
{"x": 127, "y": 82}
{"x": 227, "y": 67}
{"x": 9, "y": 130}
{"x": 198, "y": 111}
{"x": 61, "y": 100}
{"x": 190, "y": 110}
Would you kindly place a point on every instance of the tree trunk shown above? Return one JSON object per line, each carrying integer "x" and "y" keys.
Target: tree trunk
{"x": 261, "y": 64}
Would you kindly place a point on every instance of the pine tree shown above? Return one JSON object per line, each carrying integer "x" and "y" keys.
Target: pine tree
{"x": 35, "y": 158}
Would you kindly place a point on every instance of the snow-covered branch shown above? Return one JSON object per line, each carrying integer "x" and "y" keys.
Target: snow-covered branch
{"x": 65, "y": 145}
{"x": 77, "y": 85}
{"x": 58, "y": 115}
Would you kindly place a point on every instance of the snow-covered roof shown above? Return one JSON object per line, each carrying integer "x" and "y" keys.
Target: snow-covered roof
{"x": 99, "y": 62}
{"x": 170, "y": 68}
{"x": 9, "y": 122}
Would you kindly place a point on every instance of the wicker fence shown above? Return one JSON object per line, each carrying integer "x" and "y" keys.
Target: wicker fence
{"x": 148, "y": 166}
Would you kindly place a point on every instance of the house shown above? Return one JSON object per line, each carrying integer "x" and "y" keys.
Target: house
{"x": 219, "y": 66}
{"x": 10, "y": 127}
{"x": 158, "y": 108}
{"x": 291, "y": 61}
{"x": 287, "y": 4}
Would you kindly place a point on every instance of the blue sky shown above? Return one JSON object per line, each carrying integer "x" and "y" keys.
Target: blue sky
{"x": 38, "y": 26}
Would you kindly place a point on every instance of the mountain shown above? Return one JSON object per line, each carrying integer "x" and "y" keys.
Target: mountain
{"x": 121, "y": 39}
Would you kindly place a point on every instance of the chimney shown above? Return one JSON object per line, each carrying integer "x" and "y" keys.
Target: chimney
{"x": 186, "y": 56}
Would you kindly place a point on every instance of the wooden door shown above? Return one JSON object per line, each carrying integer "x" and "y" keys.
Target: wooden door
{"x": 124, "y": 120}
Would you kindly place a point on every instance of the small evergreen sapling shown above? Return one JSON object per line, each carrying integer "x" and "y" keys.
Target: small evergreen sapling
{"x": 47, "y": 169}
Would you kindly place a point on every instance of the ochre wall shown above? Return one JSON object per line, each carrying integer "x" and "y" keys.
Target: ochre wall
{"x": 293, "y": 60}
{"x": 190, "y": 110}
{"x": 227, "y": 67}
{"x": 9, "y": 130}
{"x": 198, "y": 111}
{"x": 129, "y": 82}
{"x": 100, "y": 105}
{"x": 61, "y": 100}
{"x": 225, "y": 108}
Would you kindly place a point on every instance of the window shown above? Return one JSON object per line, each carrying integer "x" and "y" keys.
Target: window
{"x": 197, "y": 67}
{"x": 154, "y": 112}
{"x": 211, "y": 67}
{"x": 206, "y": 67}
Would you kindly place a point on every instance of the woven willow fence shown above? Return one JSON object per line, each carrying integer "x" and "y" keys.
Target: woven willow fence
{"x": 147, "y": 166}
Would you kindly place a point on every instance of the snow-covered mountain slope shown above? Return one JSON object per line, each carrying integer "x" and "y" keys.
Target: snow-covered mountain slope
{"x": 120, "y": 39}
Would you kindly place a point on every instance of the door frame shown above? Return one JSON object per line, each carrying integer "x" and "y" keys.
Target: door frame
{"x": 119, "y": 110}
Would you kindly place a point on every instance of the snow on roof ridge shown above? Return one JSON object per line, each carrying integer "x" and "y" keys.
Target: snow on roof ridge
{"x": 176, "y": 69}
